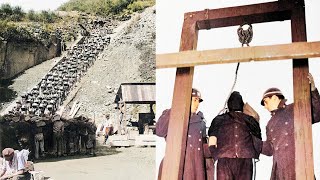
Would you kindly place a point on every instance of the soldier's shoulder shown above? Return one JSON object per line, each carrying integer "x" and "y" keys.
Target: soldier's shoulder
{"x": 166, "y": 111}
{"x": 221, "y": 116}
{"x": 200, "y": 113}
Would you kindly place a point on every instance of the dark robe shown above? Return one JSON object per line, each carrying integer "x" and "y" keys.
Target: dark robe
{"x": 238, "y": 141}
{"x": 239, "y": 136}
{"x": 280, "y": 138}
{"x": 194, "y": 167}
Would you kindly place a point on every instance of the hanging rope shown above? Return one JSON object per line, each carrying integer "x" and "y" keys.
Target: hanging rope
{"x": 224, "y": 109}
{"x": 245, "y": 37}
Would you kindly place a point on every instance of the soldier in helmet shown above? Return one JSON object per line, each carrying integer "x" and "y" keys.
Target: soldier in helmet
{"x": 194, "y": 164}
{"x": 280, "y": 129}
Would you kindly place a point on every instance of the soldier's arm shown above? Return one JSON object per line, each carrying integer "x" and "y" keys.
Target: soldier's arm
{"x": 315, "y": 100}
{"x": 212, "y": 133}
{"x": 163, "y": 123}
{"x": 203, "y": 127}
{"x": 267, "y": 147}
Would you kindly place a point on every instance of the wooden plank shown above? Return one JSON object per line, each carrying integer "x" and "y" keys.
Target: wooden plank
{"x": 179, "y": 118}
{"x": 252, "y": 19}
{"x": 232, "y": 16}
{"x": 302, "y": 109}
{"x": 245, "y": 54}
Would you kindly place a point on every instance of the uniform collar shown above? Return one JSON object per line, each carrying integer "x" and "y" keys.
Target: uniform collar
{"x": 281, "y": 106}
{"x": 196, "y": 117}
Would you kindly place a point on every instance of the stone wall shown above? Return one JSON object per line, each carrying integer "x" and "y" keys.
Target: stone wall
{"x": 2, "y": 57}
{"x": 15, "y": 57}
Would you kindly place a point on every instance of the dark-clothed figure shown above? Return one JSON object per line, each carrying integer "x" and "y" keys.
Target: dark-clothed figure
{"x": 91, "y": 144}
{"x": 236, "y": 139}
{"x": 194, "y": 167}
{"x": 58, "y": 137}
{"x": 84, "y": 136}
{"x": 280, "y": 131}
{"x": 39, "y": 139}
{"x": 72, "y": 136}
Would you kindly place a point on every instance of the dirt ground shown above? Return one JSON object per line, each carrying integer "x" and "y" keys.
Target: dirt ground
{"x": 110, "y": 163}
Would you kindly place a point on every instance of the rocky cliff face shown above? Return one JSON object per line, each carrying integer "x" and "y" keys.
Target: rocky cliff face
{"x": 15, "y": 57}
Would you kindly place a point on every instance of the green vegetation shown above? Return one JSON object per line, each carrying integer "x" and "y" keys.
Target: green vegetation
{"x": 11, "y": 13}
{"x": 139, "y": 5}
{"x": 106, "y": 7}
{"x": 16, "y": 14}
{"x": 16, "y": 25}
{"x": 12, "y": 32}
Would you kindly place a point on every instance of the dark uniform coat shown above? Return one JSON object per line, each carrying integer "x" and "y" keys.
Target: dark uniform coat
{"x": 194, "y": 167}
{"x": 280, "y": 138}
{"x": 238, "y": 141}
{"x": 239, "y": 136}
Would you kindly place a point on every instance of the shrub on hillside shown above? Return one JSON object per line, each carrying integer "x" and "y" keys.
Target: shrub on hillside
{"x": 47, "y": 17}
{"x": 106, "y": 7}
{"x": 14, "y": 33}
{"x": 139, "y": 5}
{"x": 11, "y": 13}
{"x": 32, "y": 16}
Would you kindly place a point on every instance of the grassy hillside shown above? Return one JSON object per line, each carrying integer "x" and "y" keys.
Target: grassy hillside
{"x": 16, "y": 14}
{"x": 106, "y": 7}
{"x": 16, "y": 24}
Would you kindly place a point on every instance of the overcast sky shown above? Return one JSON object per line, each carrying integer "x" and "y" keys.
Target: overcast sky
{"x": 215, "y": 81}
{"x": 36, "y": 5}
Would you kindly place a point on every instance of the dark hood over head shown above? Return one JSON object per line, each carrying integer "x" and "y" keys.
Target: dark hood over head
{"x": 235, "y": 102}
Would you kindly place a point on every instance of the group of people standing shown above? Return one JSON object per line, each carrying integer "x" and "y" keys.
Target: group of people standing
{"x": 234, "y": 138}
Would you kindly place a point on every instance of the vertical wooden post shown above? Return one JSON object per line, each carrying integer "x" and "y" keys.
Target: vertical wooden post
{"x": 179, "y": 119}
{"x": 302, "y": 108}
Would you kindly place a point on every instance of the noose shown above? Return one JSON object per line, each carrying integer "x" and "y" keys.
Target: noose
{"x": 245, "y": 37}
{"x": 224, "y": 109}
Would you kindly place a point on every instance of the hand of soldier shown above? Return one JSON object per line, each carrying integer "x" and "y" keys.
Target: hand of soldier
{"x": 212, "y": 141}
{"x": 311, "y": 81}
